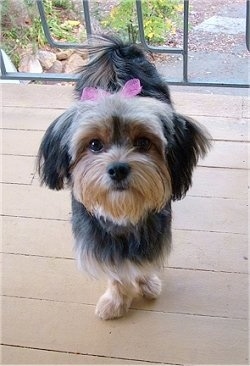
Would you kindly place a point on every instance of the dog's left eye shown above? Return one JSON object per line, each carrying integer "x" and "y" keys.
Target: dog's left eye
{"x": 96, "y": 145}
{"x": 142, "y": 143}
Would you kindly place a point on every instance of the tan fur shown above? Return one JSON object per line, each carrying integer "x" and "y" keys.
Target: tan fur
{"x": 115, "y": 302}
{"x": 149, "y": 185}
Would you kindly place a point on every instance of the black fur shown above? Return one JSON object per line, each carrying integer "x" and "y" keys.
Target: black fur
{"x": 121, "y": 62}
{"x": 112, "y": 244}
{"x": 53, "y": 155}
{"x": 186, "y": 144}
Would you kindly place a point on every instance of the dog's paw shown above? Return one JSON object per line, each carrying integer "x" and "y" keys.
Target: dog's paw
{"x": 109, "y": 307}
{"x": 150, "y": 286}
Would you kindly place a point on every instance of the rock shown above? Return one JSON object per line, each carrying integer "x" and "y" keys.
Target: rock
{"x": 30, "y": 63}
{"x": 64, "y": 55}
{"x": 74, "y": 64}
{"x": 56, "y": 68}
{"x": 15, "y": 13}
{"x": 46, "y": 59}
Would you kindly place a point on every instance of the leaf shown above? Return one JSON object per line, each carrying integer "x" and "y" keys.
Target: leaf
{"x": 73, "y": 23}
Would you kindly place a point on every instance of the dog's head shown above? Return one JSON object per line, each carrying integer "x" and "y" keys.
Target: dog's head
{"x": 123, "y": 157}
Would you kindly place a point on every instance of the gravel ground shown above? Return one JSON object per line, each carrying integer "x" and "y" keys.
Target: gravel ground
{"x": 205, "y": 41}
{"x": 199, "y": 41}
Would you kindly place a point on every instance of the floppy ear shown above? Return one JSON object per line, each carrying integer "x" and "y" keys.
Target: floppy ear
{"x": 188, "y": 141}
{"x": 53, "y": 156}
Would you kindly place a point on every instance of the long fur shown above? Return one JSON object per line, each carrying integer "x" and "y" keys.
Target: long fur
{"x": 122, "y": 233}
{"x": 116, "y": 62}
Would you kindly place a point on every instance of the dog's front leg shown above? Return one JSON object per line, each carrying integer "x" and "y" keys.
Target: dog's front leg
{"x": 115, "y": 302}
{"x": 150, "y": 286}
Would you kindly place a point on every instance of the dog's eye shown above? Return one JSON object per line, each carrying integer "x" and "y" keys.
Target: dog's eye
{"x": 142, "y": 143}
{"x": 96, "y": 145}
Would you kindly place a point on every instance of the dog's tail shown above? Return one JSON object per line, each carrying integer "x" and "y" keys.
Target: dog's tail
{"x": 114, "y": 62}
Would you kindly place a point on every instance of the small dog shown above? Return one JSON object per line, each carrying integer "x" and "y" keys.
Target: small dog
{"x": 126, "y": 154}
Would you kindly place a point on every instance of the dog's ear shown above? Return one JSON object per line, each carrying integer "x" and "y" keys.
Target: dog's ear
{"x": 187, "y": 142}
{"x": 53, "y": 156}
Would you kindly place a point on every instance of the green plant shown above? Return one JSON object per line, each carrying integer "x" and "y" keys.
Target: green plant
{"x": 160, "y": 18}
{"x": 61, "y": 18}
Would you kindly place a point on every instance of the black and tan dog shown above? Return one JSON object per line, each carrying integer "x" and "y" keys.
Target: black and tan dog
{"x": 126, "y": 154}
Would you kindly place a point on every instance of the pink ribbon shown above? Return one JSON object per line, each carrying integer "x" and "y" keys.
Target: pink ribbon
{"x": 130, "y": 89}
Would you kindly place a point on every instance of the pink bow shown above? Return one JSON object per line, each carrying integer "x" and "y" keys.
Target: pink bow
{"x": 130, "y": 89}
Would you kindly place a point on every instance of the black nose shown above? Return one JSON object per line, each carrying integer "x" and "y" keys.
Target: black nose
{"x": 118, "y": 171}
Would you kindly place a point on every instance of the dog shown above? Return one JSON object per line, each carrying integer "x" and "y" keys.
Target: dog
{"x": 126, "y": 154}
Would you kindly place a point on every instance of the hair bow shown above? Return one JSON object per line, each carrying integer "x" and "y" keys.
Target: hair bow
{"x": 130, "y": 89}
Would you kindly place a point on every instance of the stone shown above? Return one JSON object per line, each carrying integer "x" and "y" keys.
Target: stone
{"x": 30, "y": 63}
{"x": 74, "y": 64}
{"x": 56, "y": 68}
{"x": 46, "y": 58}
{"x": 227, "y": 25}
{"x": 15, "y": 13}
{"x": 64, "y": 54}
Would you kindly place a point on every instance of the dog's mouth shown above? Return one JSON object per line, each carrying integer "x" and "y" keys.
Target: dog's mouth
{"x": 120, "y": 186}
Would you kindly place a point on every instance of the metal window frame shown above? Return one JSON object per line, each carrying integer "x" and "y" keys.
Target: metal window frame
{"x": 72, "y": 77}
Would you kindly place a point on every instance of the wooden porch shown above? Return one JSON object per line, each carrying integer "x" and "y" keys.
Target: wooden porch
{"x": 48, "y": 305}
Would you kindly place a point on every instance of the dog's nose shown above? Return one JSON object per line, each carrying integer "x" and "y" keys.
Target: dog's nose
{"x": 118, "y": 171}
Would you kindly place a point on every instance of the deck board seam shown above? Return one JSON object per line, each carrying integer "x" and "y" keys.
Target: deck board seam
{"x": 89, "y": 354}
{"x": 132, "y": 308}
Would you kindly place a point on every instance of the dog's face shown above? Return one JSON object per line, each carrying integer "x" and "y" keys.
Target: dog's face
{"x": 118, "y": 158}
{"x": 123, "y": 157}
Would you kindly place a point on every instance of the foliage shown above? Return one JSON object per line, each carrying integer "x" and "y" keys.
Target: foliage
{"x": 15, "y": 37}
{"x": 160, "y": 17}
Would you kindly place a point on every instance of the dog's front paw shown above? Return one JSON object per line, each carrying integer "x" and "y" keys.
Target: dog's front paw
{"x": 150, "y": 286}
{"x": 109, "y": 307}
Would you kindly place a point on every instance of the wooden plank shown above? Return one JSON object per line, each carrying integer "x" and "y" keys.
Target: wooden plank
{"x": 233, "y": 129}
{"x": 191, "y": 249}
{"x": 54, "y": 96}
{"x": 37, "y": 237}
{"x": 223, "y": 154}
{"x": 230, "y": 183}
{"x": 192, "y": 213}
{"x": 226, "y": 154}
{"x": 35, "y": 201}
{"x": 183, "y": 291}
{"x": 26, "y": 356}
{"x": 167, "y": 338}
{"x": 211, "y": 214}
{"x": 222, "y": 128}
{"x": 246, "y": 107}
{"x": 18, "y": 118}
{"x": 37, "y": 96}
{"x": 208, "y": 105}
{"x": 18, "y": 169}
{"x": 21, "y": 142}
{"x": 209, "y": 251}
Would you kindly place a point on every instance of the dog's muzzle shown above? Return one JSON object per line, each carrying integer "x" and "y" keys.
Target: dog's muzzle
{"x": 118, "y": 171}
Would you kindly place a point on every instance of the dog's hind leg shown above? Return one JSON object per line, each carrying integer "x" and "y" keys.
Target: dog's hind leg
{"x": 115, "y": 302}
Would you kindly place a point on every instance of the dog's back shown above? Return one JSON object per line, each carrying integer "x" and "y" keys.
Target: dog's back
{"x": 114, "y": 63}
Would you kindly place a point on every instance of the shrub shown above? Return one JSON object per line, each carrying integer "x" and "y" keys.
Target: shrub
{"x": 61, "y": 18}
{"x": 161, "y": 18}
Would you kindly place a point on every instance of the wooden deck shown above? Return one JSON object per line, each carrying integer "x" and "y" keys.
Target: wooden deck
{"x": 48, "y": 305}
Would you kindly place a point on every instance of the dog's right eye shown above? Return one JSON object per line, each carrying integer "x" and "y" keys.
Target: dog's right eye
{"x": 96, "y": 145}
